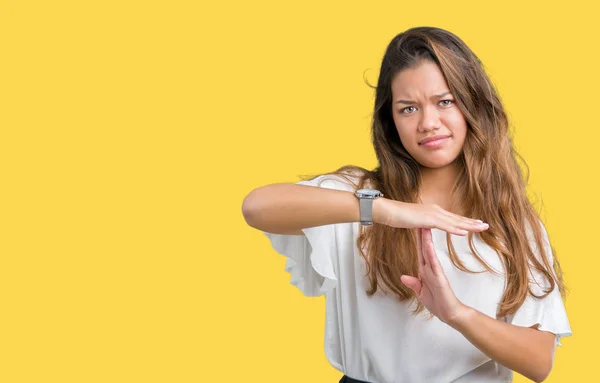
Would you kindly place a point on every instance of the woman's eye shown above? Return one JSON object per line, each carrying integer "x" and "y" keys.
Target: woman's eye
{"x": 446, "y": 102}
{"x": 408, "y": 109}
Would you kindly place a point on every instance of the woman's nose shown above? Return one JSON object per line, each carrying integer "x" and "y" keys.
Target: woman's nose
{"x": 430, "y": 120}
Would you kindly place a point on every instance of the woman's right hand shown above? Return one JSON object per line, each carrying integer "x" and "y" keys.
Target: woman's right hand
{"x": 416, "y": 215}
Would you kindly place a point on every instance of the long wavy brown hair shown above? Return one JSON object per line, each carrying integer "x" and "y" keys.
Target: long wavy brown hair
{"x": 490, "y": 183}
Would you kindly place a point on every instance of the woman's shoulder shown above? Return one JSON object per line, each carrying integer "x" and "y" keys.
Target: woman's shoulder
{"x": 349, "y": 178}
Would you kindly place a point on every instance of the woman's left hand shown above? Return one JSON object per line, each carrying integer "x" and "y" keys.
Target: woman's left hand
{"x": 432, "y": 287}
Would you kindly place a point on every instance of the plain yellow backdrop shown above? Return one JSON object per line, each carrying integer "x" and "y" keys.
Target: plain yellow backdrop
{"x": 132, "y": 130}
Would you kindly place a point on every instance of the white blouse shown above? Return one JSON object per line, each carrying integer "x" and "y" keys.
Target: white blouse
{"x": 376, "y": 339}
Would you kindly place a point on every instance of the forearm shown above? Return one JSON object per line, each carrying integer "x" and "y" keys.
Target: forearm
{"x": 287, "y": 208}
{"x": 525, "y": 350}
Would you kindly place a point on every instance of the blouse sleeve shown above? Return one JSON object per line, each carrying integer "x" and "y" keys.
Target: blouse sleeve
{"x": 310, "y": 256}
{"x": 548, "y": 313}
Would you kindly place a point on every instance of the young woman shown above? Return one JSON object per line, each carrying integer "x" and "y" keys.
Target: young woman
{"x": 435, "y": 266}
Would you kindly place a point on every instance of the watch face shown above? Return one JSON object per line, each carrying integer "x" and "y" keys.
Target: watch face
{"x": 368, "y": 193}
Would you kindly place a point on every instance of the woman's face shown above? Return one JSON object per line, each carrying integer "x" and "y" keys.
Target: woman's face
{"x": 423, "y": 108}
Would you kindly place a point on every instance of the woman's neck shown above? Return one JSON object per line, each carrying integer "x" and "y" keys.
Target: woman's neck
{"x": 436, "y": 186}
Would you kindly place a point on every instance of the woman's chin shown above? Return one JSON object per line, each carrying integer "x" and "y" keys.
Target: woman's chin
{"x": 437, "y": 163}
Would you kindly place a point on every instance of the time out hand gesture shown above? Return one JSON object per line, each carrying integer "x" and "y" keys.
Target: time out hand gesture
{"x": 432, "y": 287}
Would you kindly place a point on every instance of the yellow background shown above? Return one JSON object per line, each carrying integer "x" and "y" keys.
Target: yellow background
{"x": 132, "y": 130}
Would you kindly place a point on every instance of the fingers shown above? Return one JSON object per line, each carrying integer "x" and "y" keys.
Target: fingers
{"x": 412, "y": 283}
{"x": 420, "y": 248}
{"x": 458, "y": 225}
{"x": 429, "y": 253}
{"x": 423, "y": 245}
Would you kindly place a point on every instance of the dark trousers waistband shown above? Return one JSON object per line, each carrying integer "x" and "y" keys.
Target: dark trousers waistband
{"x": 347, "y": 379}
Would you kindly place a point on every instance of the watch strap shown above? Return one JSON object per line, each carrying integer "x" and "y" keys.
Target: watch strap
{"x": 366, "y": 211}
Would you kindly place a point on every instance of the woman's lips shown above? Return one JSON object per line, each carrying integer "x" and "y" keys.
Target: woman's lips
{"x": 436, "y": 143}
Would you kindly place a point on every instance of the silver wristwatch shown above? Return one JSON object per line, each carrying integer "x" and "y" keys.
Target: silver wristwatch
{"x": 366, "y": 197}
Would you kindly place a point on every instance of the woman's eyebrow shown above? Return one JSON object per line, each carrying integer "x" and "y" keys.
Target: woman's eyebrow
{"x": 414, "y": 102}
